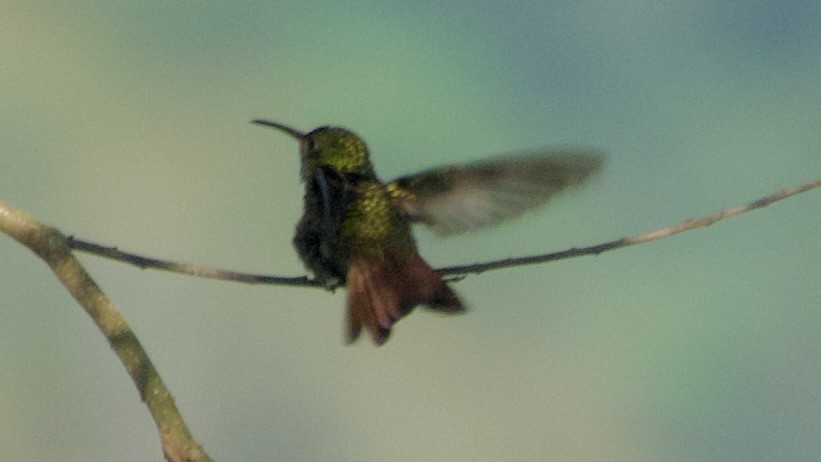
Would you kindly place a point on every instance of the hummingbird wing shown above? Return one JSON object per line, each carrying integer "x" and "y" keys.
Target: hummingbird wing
{"x": 463, "y": 197}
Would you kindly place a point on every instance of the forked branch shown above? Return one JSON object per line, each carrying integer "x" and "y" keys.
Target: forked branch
{"x": 52, "y": 246}
{"x": 177, "y": 443}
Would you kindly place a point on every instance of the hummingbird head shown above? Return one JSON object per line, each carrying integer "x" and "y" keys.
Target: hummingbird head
{"x": 334, "y": 147}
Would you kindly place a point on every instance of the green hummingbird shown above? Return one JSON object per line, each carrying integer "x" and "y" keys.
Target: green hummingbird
{"x": 356, "y": 230}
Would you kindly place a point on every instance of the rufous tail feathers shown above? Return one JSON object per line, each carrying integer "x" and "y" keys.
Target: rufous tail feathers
{"x": 382, "y": 291}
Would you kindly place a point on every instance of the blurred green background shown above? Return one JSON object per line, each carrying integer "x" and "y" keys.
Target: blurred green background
{"x": 127, "y": 123}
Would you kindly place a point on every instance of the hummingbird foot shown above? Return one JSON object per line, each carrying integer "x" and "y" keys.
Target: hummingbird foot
{"x": 329, "y": 283}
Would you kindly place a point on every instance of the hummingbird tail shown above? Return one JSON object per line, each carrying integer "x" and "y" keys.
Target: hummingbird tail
{"x": 382, "y": 291}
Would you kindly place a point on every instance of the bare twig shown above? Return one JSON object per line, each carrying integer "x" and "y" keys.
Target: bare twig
{"x": 462, "y": 270}
{"x": 662, "y": 233}
{"x": 49, "y": 244}
{"x": 190, "y": 269}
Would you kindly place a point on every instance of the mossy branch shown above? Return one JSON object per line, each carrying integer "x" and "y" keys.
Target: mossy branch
{"x": 53, "y": 247}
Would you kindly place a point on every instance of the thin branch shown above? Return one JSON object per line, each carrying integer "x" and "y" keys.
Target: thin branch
{"x": 190, "y": 269}
{"x": 49, "y": 244}
{"x": 662, "y": 233}
{"x": 458, "y": 271}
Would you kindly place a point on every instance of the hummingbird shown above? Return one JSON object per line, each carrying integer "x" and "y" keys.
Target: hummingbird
{"x": 356, "y": 230}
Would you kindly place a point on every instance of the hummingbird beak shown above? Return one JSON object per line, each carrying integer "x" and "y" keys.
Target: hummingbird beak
{"x": 291, "y": 131}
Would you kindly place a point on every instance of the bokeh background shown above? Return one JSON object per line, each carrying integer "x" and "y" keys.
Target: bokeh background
{"x": 127, "y": 123}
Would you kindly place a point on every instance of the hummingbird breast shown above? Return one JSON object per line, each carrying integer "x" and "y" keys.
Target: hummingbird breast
{"x": 348, "y": 216}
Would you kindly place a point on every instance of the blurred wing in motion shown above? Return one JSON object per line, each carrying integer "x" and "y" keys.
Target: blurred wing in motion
{"x": 458, "y": 198}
